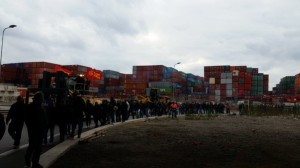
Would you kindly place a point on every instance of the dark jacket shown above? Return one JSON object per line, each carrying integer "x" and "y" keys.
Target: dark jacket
{"x": 77, "y": 107}
{"x": 16, "y": 113}
{"x": 36, "y": 118}
{"x": 2, "y": 126}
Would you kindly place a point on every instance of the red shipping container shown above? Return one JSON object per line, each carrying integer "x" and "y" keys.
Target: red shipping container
{"x": 234, "y": 92}
{"x": 212, "y": 87}
{"x": 248, "y": 75}
{"x": 255, "y": 71}
{"x": 241, "y": 68}
{"x": 232, "y": 68}
{"x": 223, "y": 87}
{"x": 241, "y": 86}
{"x": 223, "y": 93}
{"x": 247, "y": 86}
{"x": 235, "y": 85}
{"x": 248, "y": 80}
{"x": 235, "y": 79}
{"x": 217, "y": 80}
{"x": 242, "y": 74}
{"x": 241, "y": 93}
{"x": 206, "y": 69}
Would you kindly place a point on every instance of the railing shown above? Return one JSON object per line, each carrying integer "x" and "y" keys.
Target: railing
{"x": 4, "y": 109}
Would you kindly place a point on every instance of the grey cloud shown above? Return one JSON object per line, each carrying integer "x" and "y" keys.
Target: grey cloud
{"x": 118, "y": 34}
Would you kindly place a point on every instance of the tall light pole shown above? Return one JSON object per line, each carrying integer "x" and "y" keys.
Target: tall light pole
{"x": 11, "y": 26}
{"x": 173, "y": 87}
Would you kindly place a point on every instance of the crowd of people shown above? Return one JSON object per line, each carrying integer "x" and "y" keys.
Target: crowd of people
{"x": 204, "y": 108}
{"x": 44, "y": 113}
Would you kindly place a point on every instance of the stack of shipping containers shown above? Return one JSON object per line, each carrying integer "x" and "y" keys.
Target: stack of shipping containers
{"x": 31, "y": 71}
{"x": 112, "y": 82}
{"x": 142, "y": 75}
{"x": 217, "y": 88}
{"x": 15, "y": 74}
{"x": 195, "y": 84}
{"x": 175, "y": 78}
{"x": 235, "y": 82}
{"x": 127, "y": 81}
{"x": 297, "y": 84}
{"x": 35, "y": 71}
{"x": 287, "y": 86}
{"x": 220, "y": 82}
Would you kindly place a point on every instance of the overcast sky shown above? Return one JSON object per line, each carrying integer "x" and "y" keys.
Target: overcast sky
{"x": 118, "y": 34}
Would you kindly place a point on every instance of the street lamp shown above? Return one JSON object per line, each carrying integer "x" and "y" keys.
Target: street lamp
{"x": 11, "y": 26}
{"x": 173, "y": 88}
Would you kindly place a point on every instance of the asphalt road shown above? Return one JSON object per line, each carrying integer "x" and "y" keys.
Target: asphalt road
{"x": 14, "y": 158}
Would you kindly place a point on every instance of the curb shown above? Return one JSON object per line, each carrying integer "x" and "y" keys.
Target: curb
{"x": 49, "y": 157}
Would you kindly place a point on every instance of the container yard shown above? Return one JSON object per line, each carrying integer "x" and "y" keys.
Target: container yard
{"x": 219, "y": 84}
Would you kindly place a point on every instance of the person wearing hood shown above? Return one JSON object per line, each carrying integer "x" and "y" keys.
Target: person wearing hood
{"x": 36, "y": 122}
{"x": 2, "y": 126}
{"x": 15, "y": 118}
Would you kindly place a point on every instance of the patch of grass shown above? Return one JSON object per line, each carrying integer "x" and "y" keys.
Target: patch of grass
{"x": 200, "y": 117}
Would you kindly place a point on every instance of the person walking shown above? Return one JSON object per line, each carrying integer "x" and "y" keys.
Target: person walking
{"x": 96, "y": 114}
{"x": 88, "y": 112}
{"x": 174, "y": 108}
{"x": 227, "y": 108}
{"x": 77, "y": 110}
{"x": 104, "y": 112}
{"x": 36, "y": 122}
{"x": 52, "y": 121}
{"x": 15, "y": 120}
{"x": 2, "y": 126}
{"x": 112, "y": 110}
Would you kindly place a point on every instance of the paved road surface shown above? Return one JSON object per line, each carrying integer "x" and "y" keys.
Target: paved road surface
{"x": 14, "y": 158}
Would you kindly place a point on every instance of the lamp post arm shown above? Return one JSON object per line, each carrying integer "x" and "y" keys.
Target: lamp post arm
{"x": 1, "y": 52}
{"x": 11, "y": 26}
{"x": 2, "y": 44}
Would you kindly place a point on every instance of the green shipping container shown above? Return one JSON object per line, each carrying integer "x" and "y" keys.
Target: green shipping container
{"x": 165, "y": 90}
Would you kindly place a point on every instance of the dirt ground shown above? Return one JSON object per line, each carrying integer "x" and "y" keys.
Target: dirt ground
{"x": 225, "y": 141}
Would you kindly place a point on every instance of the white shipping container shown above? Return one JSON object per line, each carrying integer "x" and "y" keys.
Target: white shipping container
{"x": 212, "y": 81}
{"x": 229, "y": 75}
{"x": 217, "y": 92}
{"x": 223, "y": 75}
{"x": 218, "y": 99}
{"x": 228, "y": 80}
{"x": 223, "y": 81}
{"x": 229, "y": 86}
{"x": 229, "y": 93}
{"x": 235, "y": 73}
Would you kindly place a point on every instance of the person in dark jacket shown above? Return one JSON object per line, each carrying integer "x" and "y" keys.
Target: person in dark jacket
{"x": 77, "y": 110}
{"x": 52, "y": 120}
{"x": 96, "y": 114}
{"x": 15, "y": 118}
{"x": 88, "y": 112}
{"x": 112, "y": 110}
{"x": 2, "y": 126}
{"x": 104, "y": 112}
{"x": 36, "y": 122}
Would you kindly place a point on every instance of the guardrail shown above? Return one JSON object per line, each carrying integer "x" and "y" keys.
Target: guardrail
{"x": 4, "y": 109}
{"x": 4, "y": 112}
